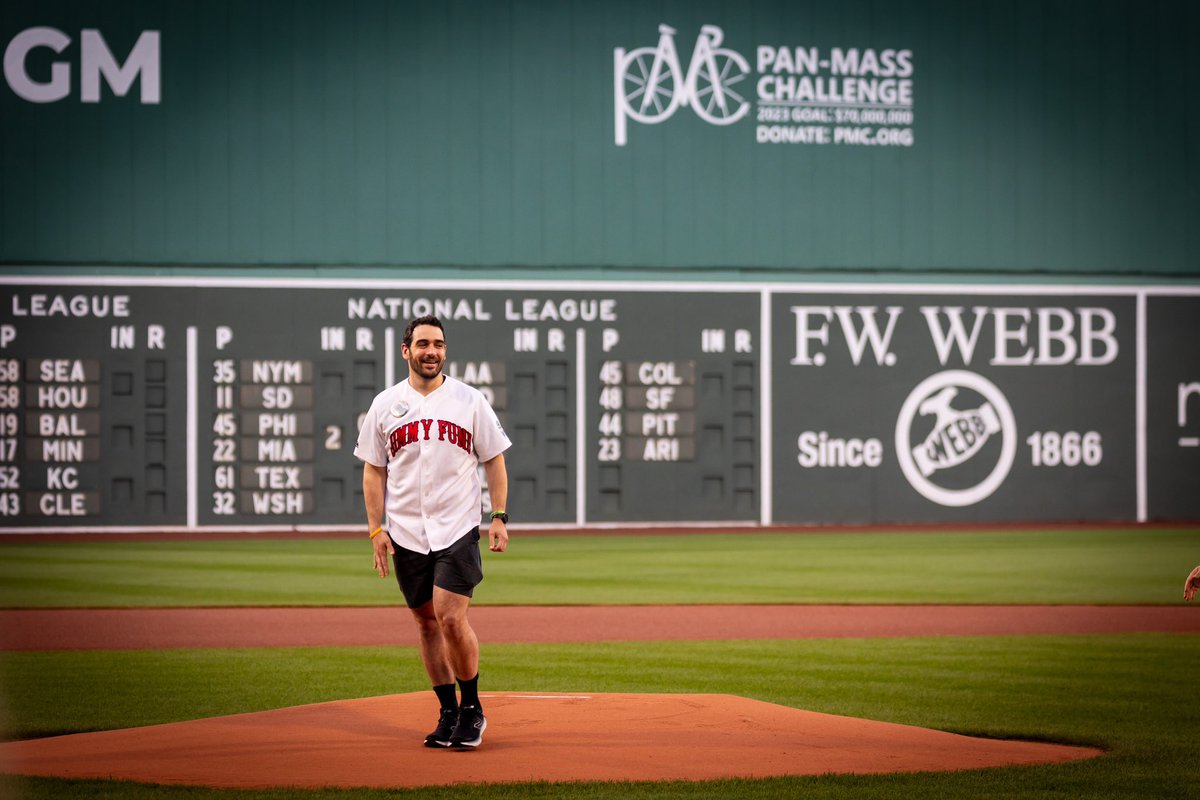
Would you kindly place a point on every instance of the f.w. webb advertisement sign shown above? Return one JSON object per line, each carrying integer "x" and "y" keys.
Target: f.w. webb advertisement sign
{"x": 928, "y": 407}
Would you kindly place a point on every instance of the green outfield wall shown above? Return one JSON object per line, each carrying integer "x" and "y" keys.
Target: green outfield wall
{"x": 995, "y": 137}
{"x": 224, "y": 403}
{"x": 714, "y": 263}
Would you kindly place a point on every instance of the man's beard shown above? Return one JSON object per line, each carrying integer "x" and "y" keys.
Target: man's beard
{"x": 427, "y": 369}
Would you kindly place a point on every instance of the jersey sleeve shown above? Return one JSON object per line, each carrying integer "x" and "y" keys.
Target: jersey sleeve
{"x": 490, "y": 438}
{"x": 370, "y": 446}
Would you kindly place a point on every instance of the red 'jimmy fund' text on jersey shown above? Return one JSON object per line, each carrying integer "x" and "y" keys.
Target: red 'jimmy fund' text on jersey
{"x": 432, "y": 446}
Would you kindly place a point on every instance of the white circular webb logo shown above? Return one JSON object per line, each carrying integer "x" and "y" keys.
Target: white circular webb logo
{"x": 952, "y": 451}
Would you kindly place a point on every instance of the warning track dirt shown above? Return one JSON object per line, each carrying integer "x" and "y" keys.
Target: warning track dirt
{"x": 152, "y": 628}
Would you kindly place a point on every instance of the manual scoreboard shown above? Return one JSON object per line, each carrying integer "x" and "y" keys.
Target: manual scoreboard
{"x": 210, "y": 404}
{"x": 217, "y": 405}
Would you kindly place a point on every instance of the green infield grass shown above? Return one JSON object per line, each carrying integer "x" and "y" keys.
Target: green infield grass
{"x": 1133, "y": 695}
{"x": 1107, "y": 566}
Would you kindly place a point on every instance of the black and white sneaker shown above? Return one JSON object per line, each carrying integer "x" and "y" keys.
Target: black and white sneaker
{"x": 445, "y": 729}
{"x": 469, "y": 730}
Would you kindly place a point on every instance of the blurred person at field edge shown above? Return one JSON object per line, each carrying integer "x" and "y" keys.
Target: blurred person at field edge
{"x": 1191, "y": 584}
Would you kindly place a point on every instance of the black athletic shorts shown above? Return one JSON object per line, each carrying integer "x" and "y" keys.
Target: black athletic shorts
{"x": 457, "y": 569}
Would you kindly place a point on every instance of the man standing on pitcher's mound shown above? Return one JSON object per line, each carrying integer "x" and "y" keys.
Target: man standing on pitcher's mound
{"x": 421, "y": 443}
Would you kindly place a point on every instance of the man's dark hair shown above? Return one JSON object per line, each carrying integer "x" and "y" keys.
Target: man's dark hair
{"x": 428, "y": 319}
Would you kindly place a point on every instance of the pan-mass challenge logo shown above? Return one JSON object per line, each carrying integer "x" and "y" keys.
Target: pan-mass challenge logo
{"x": 956, "y": 438}
{"x": 804, "y": 94}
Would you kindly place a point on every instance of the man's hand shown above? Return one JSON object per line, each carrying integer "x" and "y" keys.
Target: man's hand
{"x": 374, "y": 497}
{"x": 498, "y": 537}
{"x": 384, "y": 551}
{"x": 497, "y": 481}
{"x": 1191, "y": 584}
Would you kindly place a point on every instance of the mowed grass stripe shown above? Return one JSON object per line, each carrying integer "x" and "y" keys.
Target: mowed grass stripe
{"x": 1114, "y": 566}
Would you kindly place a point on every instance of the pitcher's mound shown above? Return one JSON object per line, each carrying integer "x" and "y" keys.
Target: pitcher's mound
{"x": 530, "y": 737}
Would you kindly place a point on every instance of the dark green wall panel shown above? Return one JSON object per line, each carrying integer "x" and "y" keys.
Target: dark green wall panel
{"x": 1049, "y": 137}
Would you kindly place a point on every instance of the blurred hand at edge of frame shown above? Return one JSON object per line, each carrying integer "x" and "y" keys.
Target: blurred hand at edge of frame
{"x": 1191, "y": 584}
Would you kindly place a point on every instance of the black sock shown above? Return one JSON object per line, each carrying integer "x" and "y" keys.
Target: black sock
{"x": 445, "y": 695}
{"x": 470, "y": 691}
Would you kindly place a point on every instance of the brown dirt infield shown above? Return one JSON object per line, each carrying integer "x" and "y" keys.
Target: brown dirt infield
{"x": 157, "y": 628}
{"x": 375, "y": 742}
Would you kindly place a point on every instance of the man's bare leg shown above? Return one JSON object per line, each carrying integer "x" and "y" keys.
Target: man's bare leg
{"x": 433, "y": 645}
{"x": 462, "y": 650}
{"x": 461, "y": 645}
{"x": 437, "y": 666}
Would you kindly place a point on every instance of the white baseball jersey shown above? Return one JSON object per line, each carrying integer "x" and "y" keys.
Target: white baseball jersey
{"x": 432, "y": 446}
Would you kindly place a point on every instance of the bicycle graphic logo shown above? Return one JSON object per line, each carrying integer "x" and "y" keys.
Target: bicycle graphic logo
{"x": 649, "y": 83}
